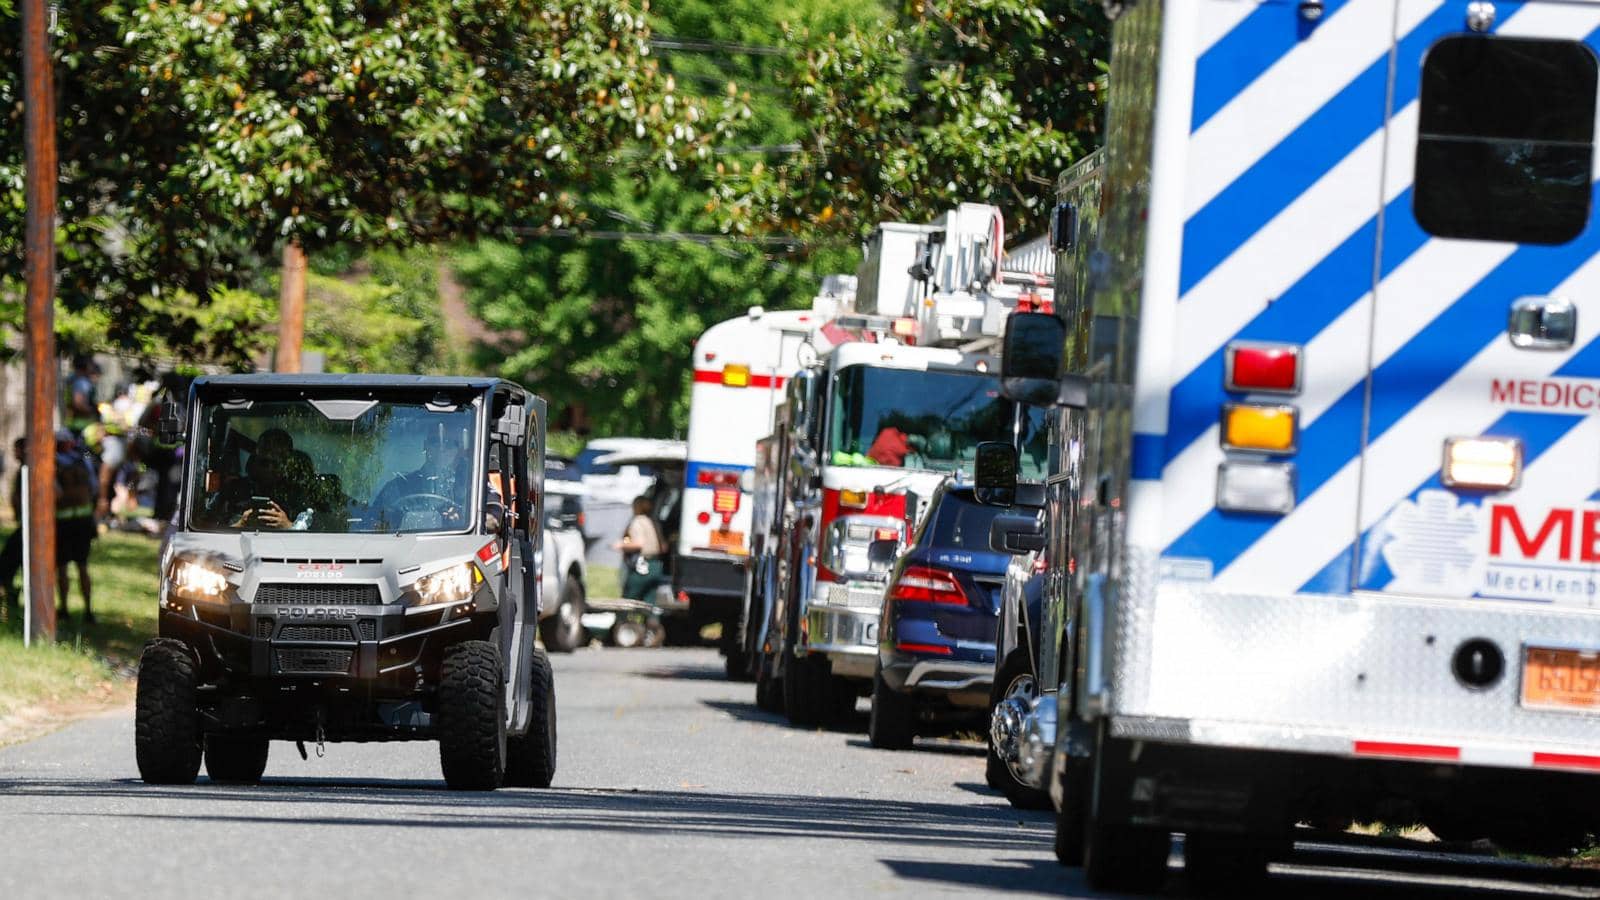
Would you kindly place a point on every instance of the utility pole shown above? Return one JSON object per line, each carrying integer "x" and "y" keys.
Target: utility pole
{"x": 291, "y": 308}
{"x": 39, "y": 133}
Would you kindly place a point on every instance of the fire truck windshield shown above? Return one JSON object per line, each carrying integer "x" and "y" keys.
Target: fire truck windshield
{"x": 933, "y": 420}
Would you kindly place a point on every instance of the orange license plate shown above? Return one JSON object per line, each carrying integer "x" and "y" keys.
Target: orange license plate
{"x": 1561, "y": 679}
{"x": 728, "y": 541}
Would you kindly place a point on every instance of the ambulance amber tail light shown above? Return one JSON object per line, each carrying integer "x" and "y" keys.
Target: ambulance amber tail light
{"x": 1482, "y": 463}
{"x": 1251, "y": 367}
{"x": 735, "y": 376}
{"x": 1271, "y": 429}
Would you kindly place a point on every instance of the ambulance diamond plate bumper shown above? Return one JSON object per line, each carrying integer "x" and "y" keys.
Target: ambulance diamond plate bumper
{"x": 1367, "y": 674}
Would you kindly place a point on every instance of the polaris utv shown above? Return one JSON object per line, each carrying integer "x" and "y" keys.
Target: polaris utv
{"x": 353, "y": 559}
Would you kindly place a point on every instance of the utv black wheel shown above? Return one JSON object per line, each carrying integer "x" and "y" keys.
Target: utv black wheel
{"x": 564, "y": 632}
{"x": 1014, "y": 683}
{"x": 531, "y": 758}
{"x": 893, "y": 725}
{"x": 472, "y": 718}
{"x": 807, "y": 690}
{"x": 166, "y": 730}
{"x": 1125, "y": 858}
{"x": 236, "y": 760}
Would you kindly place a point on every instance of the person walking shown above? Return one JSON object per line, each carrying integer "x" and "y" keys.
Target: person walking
{"x": 76, "y": 490}
{"x": 643, "y": 553}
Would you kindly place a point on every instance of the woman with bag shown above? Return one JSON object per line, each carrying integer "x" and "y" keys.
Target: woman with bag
{"x": 643, "y": 553}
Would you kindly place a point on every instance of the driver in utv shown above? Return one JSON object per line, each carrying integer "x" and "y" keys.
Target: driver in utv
{"x": 325, "y": 582}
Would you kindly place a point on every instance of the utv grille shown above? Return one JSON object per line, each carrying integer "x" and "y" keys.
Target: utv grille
{"x": 263, "y": 628}
{"x": 314, "y": 633}
{"x": 305, "y": 661}
{"x": 320, "y": 594}
{"x": 369, "y": 629}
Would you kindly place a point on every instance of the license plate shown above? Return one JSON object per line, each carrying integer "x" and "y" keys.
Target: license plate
{"x": 1561, "y": 679}
{"x": 728, "y": 541}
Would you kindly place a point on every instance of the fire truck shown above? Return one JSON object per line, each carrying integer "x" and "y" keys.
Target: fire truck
{"x": 899, "y": 388}
{"x": 740, "y": 369}
{"x": 1332, "y": 551}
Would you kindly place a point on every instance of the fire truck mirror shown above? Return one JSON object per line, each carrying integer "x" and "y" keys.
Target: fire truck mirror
{"x": 1016, "y": 533}
{"x": 994, "y": 474}
{"x": 1032, "y": 357}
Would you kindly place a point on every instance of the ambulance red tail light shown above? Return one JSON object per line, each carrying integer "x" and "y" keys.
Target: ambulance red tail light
{"x": 1482, "y": 463}
{"x": 925, "y": 584}
{"x": 1262, "y": 368}
{"x": 717, "y": 478}
{"x": 725, "y": 500}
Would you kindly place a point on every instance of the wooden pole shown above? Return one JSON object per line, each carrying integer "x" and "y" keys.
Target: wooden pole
{"x": 39, "y": 134}
{"x": 291, "y": 308}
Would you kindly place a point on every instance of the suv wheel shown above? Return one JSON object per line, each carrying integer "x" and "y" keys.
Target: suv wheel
{"x": 893, "y": 725}
{"x": 166, "y": 734}
{"x": 1015, "y": 683}
{"x": 236, "y": 760}
{"x": 563, "y": 632}
{"x": 472, "y": 717}
{"x": 531, "y": 758}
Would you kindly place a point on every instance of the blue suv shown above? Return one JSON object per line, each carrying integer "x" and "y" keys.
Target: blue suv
{"x": 936, "y": 636}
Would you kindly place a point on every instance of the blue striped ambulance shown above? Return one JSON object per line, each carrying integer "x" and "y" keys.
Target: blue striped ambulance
{"x": 1338, "y": 531}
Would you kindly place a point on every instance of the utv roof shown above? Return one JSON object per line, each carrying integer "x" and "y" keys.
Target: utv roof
{"x": 478, "y": 382}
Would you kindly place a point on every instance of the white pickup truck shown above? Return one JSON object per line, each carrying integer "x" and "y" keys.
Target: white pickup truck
{"x": 565, "y": 568}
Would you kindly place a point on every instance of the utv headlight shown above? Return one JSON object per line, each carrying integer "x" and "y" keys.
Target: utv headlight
{"x": 451, "y": 585}
{"x": 193, "y": 581}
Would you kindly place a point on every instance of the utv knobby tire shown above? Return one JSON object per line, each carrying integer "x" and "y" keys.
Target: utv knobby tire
{"x": 166, "y": 723}
{"x": 531, "y": 758}
{"x": 1015, "y": 672}
{"x": 472, "y": 719}
{"x": 564, "y": 632}
{"x": 893, "y": 725}
{"x": 235, "y": 760}
{"x": 808, "y": 691}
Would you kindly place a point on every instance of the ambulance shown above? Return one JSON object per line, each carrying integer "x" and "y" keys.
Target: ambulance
{"x": 740, "y": 369}
{"x": 1334, "y": 539}
{"x": 901, "y": 384}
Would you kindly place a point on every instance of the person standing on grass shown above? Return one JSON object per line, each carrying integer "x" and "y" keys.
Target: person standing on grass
{"x": 75, "y": 526}
{"x": 643, "y": 552}
{"x": 11, "y": 554}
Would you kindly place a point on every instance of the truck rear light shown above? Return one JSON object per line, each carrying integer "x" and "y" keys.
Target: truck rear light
{"x": 1265, "y": 429}
{"x": 924, "y": 648}
{"x": 725, "y": 500}
{"x": 1482, "y": 463}
{"x": 1269, "y": 368}
{"x": 1256, "y": 487}
{"x": 716, "y": 478}
{"x": 734, "y": 375}
{"x": 906, "y": 328}
{"x": 925, "y": 584}
{"x": 886, "y": 534}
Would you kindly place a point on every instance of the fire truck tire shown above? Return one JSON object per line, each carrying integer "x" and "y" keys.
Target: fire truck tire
{"x": 472, "y": 717}
{"x": 1226, "y": 865}
{"x": 769, "y": 690}
{"x": 235, "y": 760}
{"x": 564, "y": 631}
{"x": 681, "y": 631}
{"x": 807, "y": 686}
{"x": 1124, "y": 858}
{"x": 893, "y": 725}
{"x": 531, "y": 758}
{"x": 1074, "y": 813}
{"x": 166, "y": 731}
{"x": 736, "y": 666}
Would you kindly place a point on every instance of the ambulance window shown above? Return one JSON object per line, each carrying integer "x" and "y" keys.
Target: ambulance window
{"x": 1506, "y": 139}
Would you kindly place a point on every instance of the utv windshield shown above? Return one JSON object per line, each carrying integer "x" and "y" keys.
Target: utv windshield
{"x": 334, "y": 465}
{"x": 933, "y": 420}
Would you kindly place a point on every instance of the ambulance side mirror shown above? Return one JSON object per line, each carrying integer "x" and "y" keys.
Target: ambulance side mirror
{"x": 1033, "y": 362}
{"x": 1016, "y": 533}
{"x": 994, "y": 474}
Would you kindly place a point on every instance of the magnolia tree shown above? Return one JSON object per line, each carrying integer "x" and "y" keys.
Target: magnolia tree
{"x": 197, "y": 138}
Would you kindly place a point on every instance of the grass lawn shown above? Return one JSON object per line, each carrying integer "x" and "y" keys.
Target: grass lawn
{"x": 603, "y": 581}
{"x": 90, "y": 665}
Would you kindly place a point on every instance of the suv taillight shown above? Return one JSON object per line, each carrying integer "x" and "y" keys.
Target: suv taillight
{"x": 924, "y": 584}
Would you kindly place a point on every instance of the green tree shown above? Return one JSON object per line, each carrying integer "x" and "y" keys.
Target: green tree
{"x": 196, "y": 137}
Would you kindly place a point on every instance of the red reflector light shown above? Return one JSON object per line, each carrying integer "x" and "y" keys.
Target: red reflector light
{"x": 924, "y": 584}
{"x": 725, "y": 501}
{"x": 1274, "y": 368}
{"x": 1406, "y": 751}
{"x": 487, "y": 552}
{"x": 924, "y": 648}
{"x": 1567, "y": 761}
{"x": 704, "y": 518}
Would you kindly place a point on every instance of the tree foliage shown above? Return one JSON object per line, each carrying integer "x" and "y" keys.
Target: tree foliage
{"x": 196, "y": 137}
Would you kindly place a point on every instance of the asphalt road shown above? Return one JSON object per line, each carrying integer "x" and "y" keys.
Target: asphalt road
{"x": 670, "y": 784}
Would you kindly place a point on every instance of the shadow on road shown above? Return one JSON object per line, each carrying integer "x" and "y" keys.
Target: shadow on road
{"x": 414, "y": 804}
{"x": 685, "y": 673}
